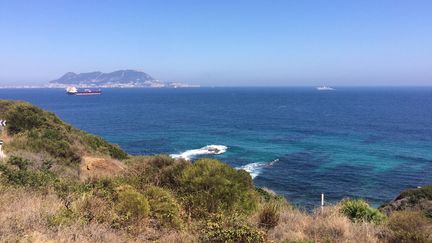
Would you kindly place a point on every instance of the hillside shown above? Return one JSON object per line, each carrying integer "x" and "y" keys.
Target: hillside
{"x": 61, "y": 184}
{"x": 116, "y": 79}
{"x": 41, "y": 137}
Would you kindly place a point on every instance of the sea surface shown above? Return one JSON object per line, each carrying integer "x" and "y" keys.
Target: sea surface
{"x": 300, "y": 142}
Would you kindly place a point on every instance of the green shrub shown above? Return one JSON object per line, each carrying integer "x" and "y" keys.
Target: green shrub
{"x": 359, "y": 210}
{"x": 93, "y": 207}
{"x": 163, "y": 206}
{"x": 269, "y": 216}
{"x": 410, "y": 226}
{"x": 209, "y": 186}
{"x": 215, "y": 232}
{"x": 100, "y": 145}
{"x": 160, "y": 170}
{"x": 116, "y": 152}
{"x": 25, "y": 177}
{"x": 268, "y": 196}
{"x": 55, "y": 142}
{"x": 19, "y": 162}
{"x": 23, "y": 116}
{"x": 63, "y": 217}
{"x": 47, "y": 164}
{"x": 131, "y": 205}
{"x": 169, "y": 176}
{"x": 101, "y": 187}
{"x": 52, "y": 141}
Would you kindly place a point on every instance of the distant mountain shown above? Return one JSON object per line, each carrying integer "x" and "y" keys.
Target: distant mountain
{"x": 117, "y": 79}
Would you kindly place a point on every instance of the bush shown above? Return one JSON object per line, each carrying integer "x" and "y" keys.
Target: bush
{"x": 267, "y": 195}
{"x": 410, "y": 226}
{"x": 63, "y": 217}
{"x": 94, "y": 208}
{"x": 209, "y": 186}
{"x": 159, "y": 170}
{"x": 269, "y": 216}
{"x": 359, "y": 210}
{"x": 100, "y": 145}
{"x": 148, "y": 170}
{"x": 215, "y": 232}
{"x": 25, "y": 177}
{"x": 164, "y": 206}
{"x": 116, "y": 152}
{"x": 22, "y": 117}
{"x": 53, "y": 141}
{"x": 131, "y": 205}
{"x": 19, "y": 162}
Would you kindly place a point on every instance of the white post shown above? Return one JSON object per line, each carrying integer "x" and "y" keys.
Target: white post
{"x": 322, "y": 202}
{"x": 1, "y": 151}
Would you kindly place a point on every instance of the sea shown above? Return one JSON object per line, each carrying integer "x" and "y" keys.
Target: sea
{"x": 357, "y": 142}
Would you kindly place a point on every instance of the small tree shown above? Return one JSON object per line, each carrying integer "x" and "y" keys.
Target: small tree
{"x": 132, "y": 206}
{"x": 210, "y": 186}
{"x": 163, "y": 206}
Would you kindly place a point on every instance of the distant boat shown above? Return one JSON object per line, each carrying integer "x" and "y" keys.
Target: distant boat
{"x": 75, "y": 91}
{"x": 324, "y": 88}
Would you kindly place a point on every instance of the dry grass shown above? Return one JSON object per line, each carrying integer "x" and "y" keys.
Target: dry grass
{"x": 291, "y": 226}
{"x": 24, "y": 217}
{"x": 77, "y": 233}
{"x": 23, "y": 212}
{"x": 328, "y": 225}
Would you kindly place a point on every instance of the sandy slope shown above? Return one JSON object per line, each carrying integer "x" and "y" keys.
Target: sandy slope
{"x": 99, "y": 167}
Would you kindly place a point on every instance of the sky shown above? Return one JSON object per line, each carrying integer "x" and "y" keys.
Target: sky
{"x": 221, "y": 42}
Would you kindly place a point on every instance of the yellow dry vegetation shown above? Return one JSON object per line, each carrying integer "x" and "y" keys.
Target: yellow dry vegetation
{"x": 99, "y": 167}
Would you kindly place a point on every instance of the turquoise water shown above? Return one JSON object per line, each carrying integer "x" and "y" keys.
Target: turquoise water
{"x": 351, "y": 142}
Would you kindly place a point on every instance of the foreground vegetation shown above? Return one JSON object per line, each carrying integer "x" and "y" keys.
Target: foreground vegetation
{"x": 52, "y": 189}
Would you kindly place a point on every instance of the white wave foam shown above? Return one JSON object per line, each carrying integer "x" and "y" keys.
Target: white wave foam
{"x": 254, "y": 169}
{"x": 209, "y": 149}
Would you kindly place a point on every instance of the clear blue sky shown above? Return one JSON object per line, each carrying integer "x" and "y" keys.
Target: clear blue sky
{"x": 216, "y": 42}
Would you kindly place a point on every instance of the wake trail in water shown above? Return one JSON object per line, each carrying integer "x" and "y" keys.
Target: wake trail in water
{"x": 255, "y": 169}
{"x": 209, "y": 149}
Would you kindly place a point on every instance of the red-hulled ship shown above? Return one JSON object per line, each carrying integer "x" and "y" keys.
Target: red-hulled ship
{"x": 75, "y": 91}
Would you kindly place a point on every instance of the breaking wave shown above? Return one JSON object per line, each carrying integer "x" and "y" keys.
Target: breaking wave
{"x": 254, "y": 169}
{"x": 209, "y": 149}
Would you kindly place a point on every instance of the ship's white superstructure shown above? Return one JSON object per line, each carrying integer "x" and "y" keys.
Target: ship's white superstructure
{"x": 324, "y": 88}
{"x": 71, "y": 90}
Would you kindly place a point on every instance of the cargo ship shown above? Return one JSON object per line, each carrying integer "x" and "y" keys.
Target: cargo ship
{"x": 75, "y": 91}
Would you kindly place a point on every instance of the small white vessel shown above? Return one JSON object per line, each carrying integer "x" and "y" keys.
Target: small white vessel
{"x": 71, "y": 90}
{"x": 324, "y": 88}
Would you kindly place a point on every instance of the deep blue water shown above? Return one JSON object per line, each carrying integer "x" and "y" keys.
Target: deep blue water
{"x": 352, "y": 142}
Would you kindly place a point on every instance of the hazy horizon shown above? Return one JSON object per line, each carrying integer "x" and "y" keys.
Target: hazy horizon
{"x": 221, "y": 43}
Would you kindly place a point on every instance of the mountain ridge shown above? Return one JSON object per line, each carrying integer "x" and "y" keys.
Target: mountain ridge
{"x": 127, "y": 78}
